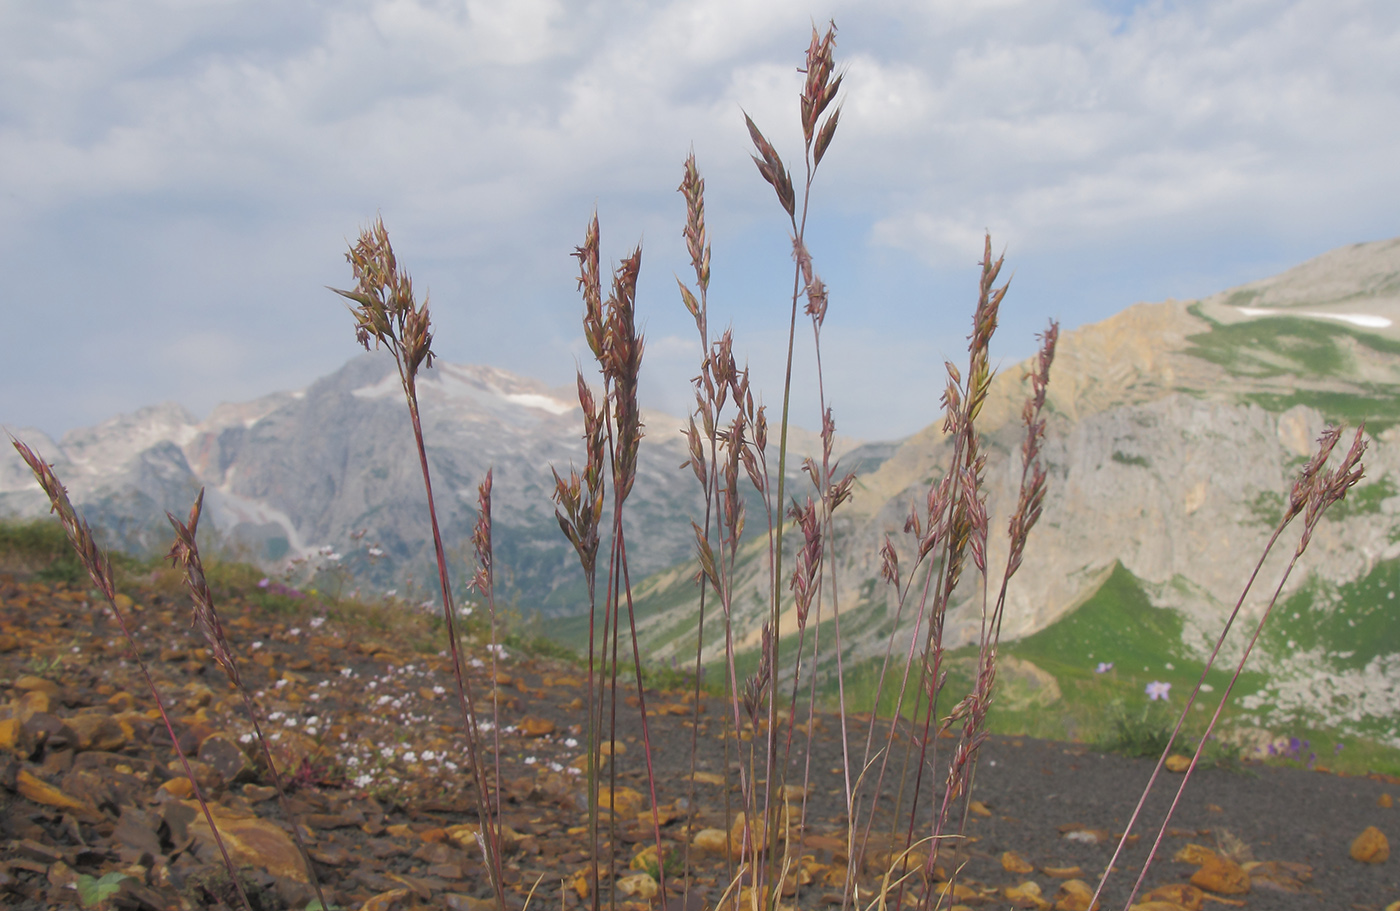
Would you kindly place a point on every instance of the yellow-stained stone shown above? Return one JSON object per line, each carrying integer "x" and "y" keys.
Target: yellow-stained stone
{"x": 536, "y": 727}
{"x": 708, "y": 778}
{"x": 1385, "y": 801}
{"x": 98, "y": 732}
{"x": 31, "y": 684}
{"x": 1062, "y": 872}
{"x": 612, "y": 748}
{"x": 41, "y": 791}
{"x": 385, "y": 901}
{"x": 180, "y": 787}
{"x": 250, "y": 840}
{"x": 30, "y": 704}
{"x": 1221, "y": 876}
{"x": 9, "y": 733}
{"x": 638, "y": 885}
{"x": 1180, "y": 895}
{"x": 713, "y": 840}
{"x": 579, "y": 883}
{"x": 8, "y": 643}
{"x": 1026, "y": 895}
{"x": 1012, "y": 862}
{"x": 1193, "y": 854}
{"x": 1075, "y": 895}
{"x": 1371, "y": 846}
{"x": 625, "y": 803}
{"x": 979, "y": 808}
{"x": 121, "y": 701}
{"x": 1178, "y": 763}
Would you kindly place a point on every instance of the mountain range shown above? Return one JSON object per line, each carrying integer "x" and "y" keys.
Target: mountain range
{"x": 1174, "y": 432}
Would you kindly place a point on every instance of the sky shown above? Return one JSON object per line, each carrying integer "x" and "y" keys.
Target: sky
{"x": 179, "y": 180}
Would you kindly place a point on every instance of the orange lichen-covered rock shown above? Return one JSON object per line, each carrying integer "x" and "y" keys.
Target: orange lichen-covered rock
{"x": 1371, "y": 846}
{"x": 1222, "y": 876}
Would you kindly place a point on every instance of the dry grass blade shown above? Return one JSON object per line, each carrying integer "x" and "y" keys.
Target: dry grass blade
{"x": 185, "y": 554}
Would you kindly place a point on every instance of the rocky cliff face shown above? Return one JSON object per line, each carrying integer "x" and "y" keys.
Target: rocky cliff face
{"x": 292, "y": 474}
{"x": 1175, "y": 432}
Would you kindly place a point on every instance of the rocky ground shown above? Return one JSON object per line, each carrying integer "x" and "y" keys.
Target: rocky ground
{"x": 359, "y": 705}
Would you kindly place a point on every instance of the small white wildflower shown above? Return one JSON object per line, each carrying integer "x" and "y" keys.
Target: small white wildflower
{"x": 246, "y": 738}
{"x": 530, "y": 760}
{"x": 571, "y": 743}
{"x": 375, "y": 551}
{"x": 353, "y": 761}
{"x": 391, "y": 593}
{"x": 276, "y": 716}
{"x": 439, "y": 690}
{"x": 410, "y": 756}
{"x": 450, "y": 765}
{"x": 555, "y": 767}
{"x": 279, "y": 684}
{"x": 289, "y": 723}
{"x": 316, "y": 622}
{"x": 346, "y": 672}
{"x": 429, "y": 755}
{"x": 257, "y": 645}
{"x": 294, "y": 631}
{"x": 364, "y": 781}
{"x": 387, "y": 752}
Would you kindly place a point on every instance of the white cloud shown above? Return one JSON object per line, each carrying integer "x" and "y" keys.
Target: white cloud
{"x": 177, "y": 160}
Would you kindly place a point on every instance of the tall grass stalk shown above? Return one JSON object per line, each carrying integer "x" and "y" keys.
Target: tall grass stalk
{"x": 1315, "y": 489}
{"x": 185, "y": 554}
{"x": 387, "y": 312}
{"x": 99, "y": 568}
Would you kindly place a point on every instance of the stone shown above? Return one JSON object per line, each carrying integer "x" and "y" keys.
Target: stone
{"x": 1180, "y": 895}
{"x": 1385, "y": 801}
{"x": 1370, "y": 847}
{"x": 30, "y": 704}
{"x": 386, "y": 901}
{"x": 222, "y": 753}
{"x": 12, "y": 736}
{"x": 1026, "y": 895}
{"x": 1221, "y": 876}
{"x": 535, "y": 727}
{"x": 1193, "y": 854}
{"x": 1075, "y": 895}
{"x": 44, "y": 793}
{"x": 1012, "y": 862}
{"x": 136, "y": 836}
{"x": 1178, "y": 763}
{"x": 31, "y": 684}
{"x": 98, "y": 732}
{"x": 715, "y": 841}
{"x": 638, "y": 885}
{"x": 1062, "y": 872}
{"x": 250, "y": 841}
{"x": 624, "y": 802}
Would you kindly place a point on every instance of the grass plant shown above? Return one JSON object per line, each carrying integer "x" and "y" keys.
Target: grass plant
{"x": 909, "y": 770}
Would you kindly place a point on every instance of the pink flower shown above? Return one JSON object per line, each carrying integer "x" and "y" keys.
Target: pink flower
{"x": 1158, "y": 690}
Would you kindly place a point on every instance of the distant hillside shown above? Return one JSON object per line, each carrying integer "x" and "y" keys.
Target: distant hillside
{"x": 333, "y": 468}
{"x": 1175, "y": 431}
